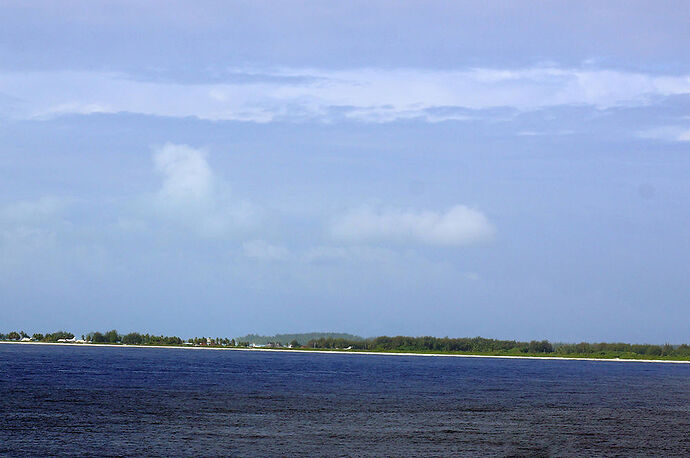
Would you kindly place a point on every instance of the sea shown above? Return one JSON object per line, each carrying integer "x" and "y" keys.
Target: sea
{"x": 125, "y": 401}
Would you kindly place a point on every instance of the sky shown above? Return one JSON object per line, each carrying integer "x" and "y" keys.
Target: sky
{"x": 508, "y": 169}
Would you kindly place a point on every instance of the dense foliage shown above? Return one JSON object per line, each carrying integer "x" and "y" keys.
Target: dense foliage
{"x": 50, "y": 337}
{"x": 296, "y": 339}
{"x": 435, "y": 344}
{"x": 479, "y": 345}
{"x": 133, "y": 338}
{"x": 624, "y": 349}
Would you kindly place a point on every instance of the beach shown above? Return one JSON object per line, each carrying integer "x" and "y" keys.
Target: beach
{"x": 352, "y": 352}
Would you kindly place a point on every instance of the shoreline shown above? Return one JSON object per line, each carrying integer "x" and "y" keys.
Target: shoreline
{"x": 350, "y": 352}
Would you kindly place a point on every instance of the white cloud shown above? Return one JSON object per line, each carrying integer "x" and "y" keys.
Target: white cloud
{"x": 260, "y": 249}
{"x": 457, "y": 226}
{"x": 187, "y": 175}
{"x": 667, "y": 133}
{"x": 191, "y": 196}
{"x": 368, "y": 94}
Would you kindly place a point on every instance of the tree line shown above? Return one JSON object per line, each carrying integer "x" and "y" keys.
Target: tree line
{"x": 114, "y": 337}
{"x": 435, "y": 344}
{"x": 133, "y": 338}
{"x": 482, "y": 345}
{"x": 291, "y": 338}
{"x": 38, "y": 337}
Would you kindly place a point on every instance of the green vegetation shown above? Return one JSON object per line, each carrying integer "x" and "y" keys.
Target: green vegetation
{"x": 482, "y": 346}
{"x": 435, "y": 344}
{"x": 297, "y": 339}
{"x": 108, "y": 337}
{"x": 398, "y": 344}
{"x": 51, "y": 337}
{"x": 133, "y": 338}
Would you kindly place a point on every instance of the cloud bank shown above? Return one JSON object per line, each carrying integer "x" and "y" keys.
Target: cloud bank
{"x": 459, "y": 225}
{"x": 366, "y": 95}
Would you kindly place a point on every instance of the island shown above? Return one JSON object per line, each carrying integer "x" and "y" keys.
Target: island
{"x": 341, "y": 342}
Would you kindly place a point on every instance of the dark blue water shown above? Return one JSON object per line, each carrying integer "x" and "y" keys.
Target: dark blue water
{"x": 133, "y": 401}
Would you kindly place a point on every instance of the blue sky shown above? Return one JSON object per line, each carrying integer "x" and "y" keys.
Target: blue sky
{"x": 510, "y": 170}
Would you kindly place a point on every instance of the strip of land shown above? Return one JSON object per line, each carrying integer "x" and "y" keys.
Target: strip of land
{"x": 354, "y": 352}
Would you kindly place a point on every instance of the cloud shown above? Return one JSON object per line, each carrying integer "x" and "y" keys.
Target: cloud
{"x": 667, "y": 133}
{"x": 458, "y": 225}
{"x": 187, "y": 176}
{"x": 260, "y": 249}
{"x": 191, "y": 196}
{"x": 364, "y": 94}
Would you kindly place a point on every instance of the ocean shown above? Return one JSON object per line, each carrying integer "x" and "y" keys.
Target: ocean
{"x": 82, "y": 400}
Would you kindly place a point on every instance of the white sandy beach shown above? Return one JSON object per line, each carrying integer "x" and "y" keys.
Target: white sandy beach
{"x": 350, "y": 352}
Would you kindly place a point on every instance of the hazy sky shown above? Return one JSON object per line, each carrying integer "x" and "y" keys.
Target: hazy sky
{"x": 505, "y": 169}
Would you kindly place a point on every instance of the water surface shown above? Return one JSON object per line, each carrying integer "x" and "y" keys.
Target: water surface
{"x": 146, "y": 401}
